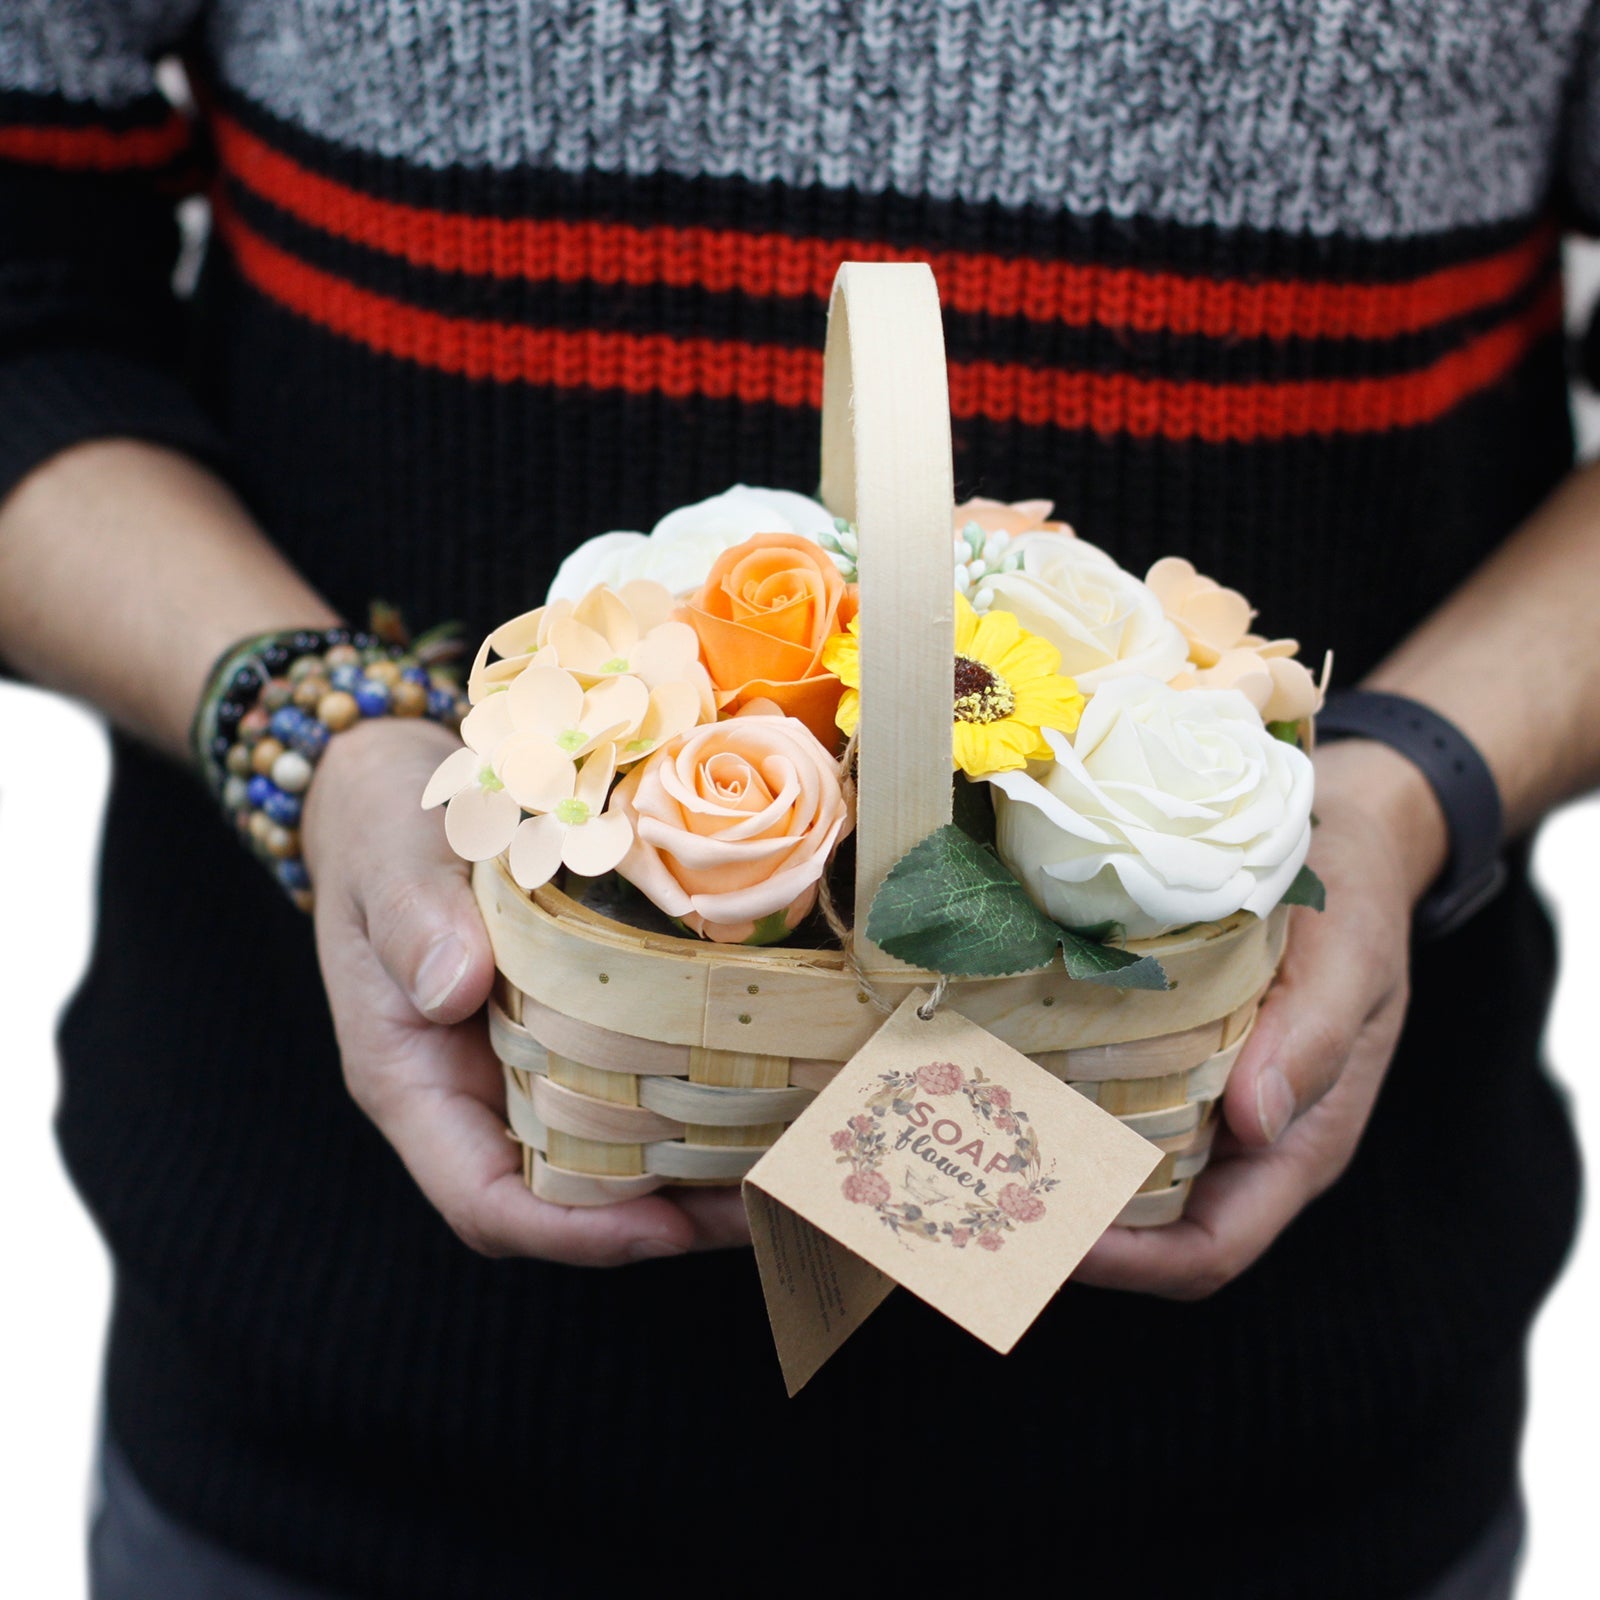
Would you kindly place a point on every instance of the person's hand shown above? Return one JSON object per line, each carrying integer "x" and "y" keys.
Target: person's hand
{"x": 408, "y": 968}
{"x": 1303, "y": 1087}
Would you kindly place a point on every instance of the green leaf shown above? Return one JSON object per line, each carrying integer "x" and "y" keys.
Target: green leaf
{"x": 1289, "y": 732}
{"x": 1306, "y": 890}
{"x": 1095, "y": 962}
{"x": 949, "y": 905}
{"x": 771, "y": 928}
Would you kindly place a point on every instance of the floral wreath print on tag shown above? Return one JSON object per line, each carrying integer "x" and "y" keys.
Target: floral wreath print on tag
{"x": 985, "y": 1211}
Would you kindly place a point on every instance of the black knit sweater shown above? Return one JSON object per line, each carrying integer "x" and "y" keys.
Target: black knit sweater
{"x": 1271, "y": 286}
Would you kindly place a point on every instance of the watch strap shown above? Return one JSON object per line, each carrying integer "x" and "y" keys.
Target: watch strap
{"x": 1461, "y": 780}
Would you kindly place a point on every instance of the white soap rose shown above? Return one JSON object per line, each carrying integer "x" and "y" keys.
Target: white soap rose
{"x": 1103, "y": 620}
{"x": 1166, "y": 807}
{"x": 679, "y": 550}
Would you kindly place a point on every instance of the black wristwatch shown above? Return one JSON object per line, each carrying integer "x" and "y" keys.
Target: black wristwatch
{"x": 1459, "y": 776}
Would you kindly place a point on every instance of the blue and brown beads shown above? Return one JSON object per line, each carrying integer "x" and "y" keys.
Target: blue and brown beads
{"x": 271, "y": 710}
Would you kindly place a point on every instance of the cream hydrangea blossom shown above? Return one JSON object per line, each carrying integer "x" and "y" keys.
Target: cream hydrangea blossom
{"x": 522, "y": 748}
{"x": 1166, "y": 807}
{"x": 573, "y": 829}
{"x": 1104, "y": 621}
{"x": 608, "y": 635}
{"x": 481, "y": 815}
{"x": 679, "y": 551}
{"x": 1224, "y": 654}
{"x": 511, "y": 763}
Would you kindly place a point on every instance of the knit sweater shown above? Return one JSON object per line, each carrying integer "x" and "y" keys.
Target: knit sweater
{"x": 1271, "y": 285}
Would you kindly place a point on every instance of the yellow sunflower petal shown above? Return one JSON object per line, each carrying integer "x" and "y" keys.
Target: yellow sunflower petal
{"x": 966, "y": 625}
{"x": 980, "y": 748}
{"x": 841, "y": 656}
{"x": 1029, "y": 657}
{"x": 997, "y": 633}
{"x": 848, "y": 715}
{"x": 1049, "y": 703}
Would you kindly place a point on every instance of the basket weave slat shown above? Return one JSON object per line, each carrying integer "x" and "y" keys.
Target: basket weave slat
{"x": 663, "y": 991}
{"x": 726, "y": 1107}
{"x": 581, "y": 1115}
{"x": 634, "y": 1059}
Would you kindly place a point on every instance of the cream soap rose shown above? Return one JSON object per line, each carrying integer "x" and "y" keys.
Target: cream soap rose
{"x": 733, "y": 826}
{"x": 1167, "y": 807}
{"x": 679, "y": 551}
{"x": 1103, "y": 620}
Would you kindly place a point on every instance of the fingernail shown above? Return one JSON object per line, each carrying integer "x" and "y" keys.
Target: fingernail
{"x": 653, "y": 1249}
{"x": 441, "y": 969}
{"x": 1274, "y": 1104}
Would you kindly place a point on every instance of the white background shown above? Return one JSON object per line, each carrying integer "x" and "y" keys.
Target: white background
{"x": 52, "y": 777}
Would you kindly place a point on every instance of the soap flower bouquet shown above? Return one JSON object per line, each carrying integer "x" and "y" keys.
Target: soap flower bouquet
{"x": 1129, "y": 758}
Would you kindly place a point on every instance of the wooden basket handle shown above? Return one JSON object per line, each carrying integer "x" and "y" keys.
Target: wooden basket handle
{"x": 886, "y": 468}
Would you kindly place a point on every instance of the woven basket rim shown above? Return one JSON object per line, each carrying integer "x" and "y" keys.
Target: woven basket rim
{"x": 561, "y": 907}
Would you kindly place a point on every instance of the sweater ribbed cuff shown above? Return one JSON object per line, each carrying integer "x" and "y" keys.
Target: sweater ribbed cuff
{"x": 50, "y": 400}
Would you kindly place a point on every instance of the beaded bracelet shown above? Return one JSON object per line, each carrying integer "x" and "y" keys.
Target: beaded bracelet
{"x": 272, "y": 703}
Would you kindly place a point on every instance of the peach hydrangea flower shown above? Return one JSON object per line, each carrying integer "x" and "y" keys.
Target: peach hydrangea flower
{"x": 609, "y": 633}
{"x": 1224, "y": 654}
{"x": 482, "y": 814}
{"x": 573, "y": 829}
{"x": 501, "y": 773}
{"x": 550, "y": 703}
{"x": 521, "y": 747}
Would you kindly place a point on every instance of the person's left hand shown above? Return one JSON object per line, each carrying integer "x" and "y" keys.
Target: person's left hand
{"x": 1305, "y": 1083}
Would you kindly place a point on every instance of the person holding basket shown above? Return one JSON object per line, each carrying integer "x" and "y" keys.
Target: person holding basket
{"x": 1278, "y": 291}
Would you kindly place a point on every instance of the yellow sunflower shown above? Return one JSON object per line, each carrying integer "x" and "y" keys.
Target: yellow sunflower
{"x": 1006, "y": 689}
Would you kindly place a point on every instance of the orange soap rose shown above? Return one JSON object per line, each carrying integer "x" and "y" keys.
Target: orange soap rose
{"x": 763, "y": 616}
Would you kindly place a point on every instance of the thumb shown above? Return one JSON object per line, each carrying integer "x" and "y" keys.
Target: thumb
{"x": 425, "y": 927}
{"x": 1334, "y": 978}
{"x": 404, "y": 886}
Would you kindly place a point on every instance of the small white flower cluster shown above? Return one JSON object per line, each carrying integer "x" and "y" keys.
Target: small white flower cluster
{"x": 981, "y": 557}
{"x": 840, "y": 543}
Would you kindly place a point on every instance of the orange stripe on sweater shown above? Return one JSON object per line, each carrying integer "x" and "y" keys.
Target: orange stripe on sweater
{"x": 998, "y": 391}
{"x": 726, "y": 260}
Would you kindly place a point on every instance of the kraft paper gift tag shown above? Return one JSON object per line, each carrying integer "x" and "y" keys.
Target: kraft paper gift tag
{"x": 941, "y": 1159}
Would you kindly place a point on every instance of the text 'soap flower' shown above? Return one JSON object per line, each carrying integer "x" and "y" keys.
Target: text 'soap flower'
{"x": 733, "y": 826}
{"x": 1166, "y": 808}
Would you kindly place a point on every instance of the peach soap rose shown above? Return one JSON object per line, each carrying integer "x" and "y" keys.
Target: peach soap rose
{"x": 733, "y": 825}
{"x": 763, "y": 615}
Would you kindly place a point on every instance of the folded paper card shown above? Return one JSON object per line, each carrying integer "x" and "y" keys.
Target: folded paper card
{"x": 941, "y": 1159}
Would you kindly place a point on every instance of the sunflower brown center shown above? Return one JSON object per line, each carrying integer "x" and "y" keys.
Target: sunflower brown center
{"x": 982, "y": 695}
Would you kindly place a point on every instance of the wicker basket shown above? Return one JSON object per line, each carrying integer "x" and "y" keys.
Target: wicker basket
{"x": 635, "y": 1060}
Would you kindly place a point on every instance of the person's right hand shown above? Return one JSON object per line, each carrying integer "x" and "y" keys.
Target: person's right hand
{"x": 408, "y": 968}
